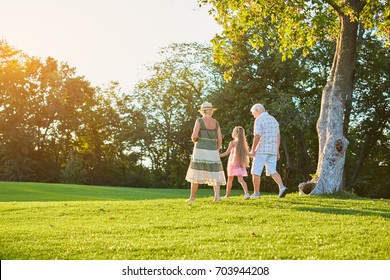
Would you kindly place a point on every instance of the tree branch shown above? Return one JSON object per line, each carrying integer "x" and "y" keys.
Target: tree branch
{"x": 335, "y": 6}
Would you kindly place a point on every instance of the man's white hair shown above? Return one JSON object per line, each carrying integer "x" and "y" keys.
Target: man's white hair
{"x": 257, "y": 107}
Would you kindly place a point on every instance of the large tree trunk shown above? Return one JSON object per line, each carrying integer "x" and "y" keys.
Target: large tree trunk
{"x": 332, "y": 142}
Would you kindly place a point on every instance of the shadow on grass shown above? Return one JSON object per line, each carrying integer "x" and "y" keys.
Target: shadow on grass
{"x": 324, "y": 210}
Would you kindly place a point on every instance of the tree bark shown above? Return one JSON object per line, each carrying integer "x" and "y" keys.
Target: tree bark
{"x": 330, "y": 125}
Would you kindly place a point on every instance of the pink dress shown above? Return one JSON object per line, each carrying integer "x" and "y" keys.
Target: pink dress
{"x": 233, "y": 169}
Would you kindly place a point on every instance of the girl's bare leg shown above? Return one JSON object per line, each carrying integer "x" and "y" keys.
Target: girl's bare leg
{"x": 229, "y": 185}
{"x": 243, "y": 184}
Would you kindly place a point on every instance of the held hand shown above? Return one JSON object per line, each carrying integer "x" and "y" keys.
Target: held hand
{"x": 278, "y": 155}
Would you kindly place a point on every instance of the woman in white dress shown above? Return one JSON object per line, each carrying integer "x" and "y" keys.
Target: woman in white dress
{"x": 206, "y": 166}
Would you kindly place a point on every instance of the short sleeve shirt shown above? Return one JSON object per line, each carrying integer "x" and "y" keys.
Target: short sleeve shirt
{"x": 267, "y": 127}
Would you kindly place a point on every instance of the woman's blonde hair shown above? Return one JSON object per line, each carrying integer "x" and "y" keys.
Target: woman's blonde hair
{"x": 208, "y": 112}
{"x": 242, "y": 147}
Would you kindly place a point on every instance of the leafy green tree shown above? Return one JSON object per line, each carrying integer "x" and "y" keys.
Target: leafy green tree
{"x": 369, "y": 121}
{"x": 301, "y": 25}
{"x": 108, "y": 137}
{"x": 169, "y": 99}
{"x": 74, "y": 172}
{"x": 40, "y": 108}
{"x": 16, "y": 136}
{"x": 46, "y": 110}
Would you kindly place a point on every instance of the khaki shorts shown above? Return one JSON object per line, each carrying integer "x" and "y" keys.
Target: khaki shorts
{"x": 260, "y": 160}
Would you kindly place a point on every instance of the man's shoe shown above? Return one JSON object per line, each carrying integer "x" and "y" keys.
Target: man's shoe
{"x": 246, "y": 196}
{"x": 282, "y": 192}
{"x": 254, "y": 196}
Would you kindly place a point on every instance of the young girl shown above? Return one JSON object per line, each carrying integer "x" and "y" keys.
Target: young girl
{"x": 238, "y": 160}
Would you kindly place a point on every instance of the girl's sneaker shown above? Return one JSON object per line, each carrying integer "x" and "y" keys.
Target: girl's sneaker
{"x": 247, "y": 196}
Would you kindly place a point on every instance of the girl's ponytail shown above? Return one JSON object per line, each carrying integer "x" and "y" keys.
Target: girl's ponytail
{"x": 242, "y": 148}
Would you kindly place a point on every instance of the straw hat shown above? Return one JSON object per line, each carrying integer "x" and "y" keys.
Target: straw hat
{"x": 206, "y": 106}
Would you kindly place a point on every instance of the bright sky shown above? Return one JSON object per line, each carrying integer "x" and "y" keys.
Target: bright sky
{"x": 106, "y": 40}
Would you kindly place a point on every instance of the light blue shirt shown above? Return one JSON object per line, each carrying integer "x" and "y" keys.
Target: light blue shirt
{"x": 267, "y": 127}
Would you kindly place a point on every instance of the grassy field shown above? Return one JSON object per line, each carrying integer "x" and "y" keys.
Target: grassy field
{"x": 54, "y": 221}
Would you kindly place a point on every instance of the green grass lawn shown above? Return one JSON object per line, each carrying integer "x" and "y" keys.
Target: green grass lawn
{"x": 54, "y": 221}
{"x": 11, "y": 191}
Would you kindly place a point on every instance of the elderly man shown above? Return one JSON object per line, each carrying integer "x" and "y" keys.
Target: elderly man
{"x": 265, "y": 149}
